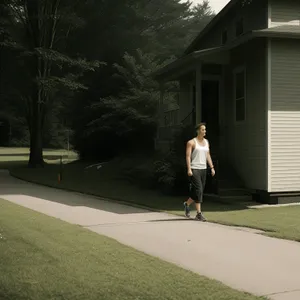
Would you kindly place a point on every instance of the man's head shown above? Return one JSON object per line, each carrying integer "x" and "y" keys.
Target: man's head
{"x": 201, "y": 129}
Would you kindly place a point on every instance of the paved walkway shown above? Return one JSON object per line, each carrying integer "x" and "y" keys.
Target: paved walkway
{"x": 241, "y": 259}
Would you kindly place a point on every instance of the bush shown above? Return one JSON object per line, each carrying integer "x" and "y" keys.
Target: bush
{"x": 143, "y": 175}
{"x": 139, "y": 169}
{"x": 170, "y": 170}
{"x": 163, "y": 171}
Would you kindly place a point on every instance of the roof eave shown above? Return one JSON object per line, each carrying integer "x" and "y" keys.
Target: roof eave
{"x": 185, "y": 63}
{"x": 172, "y": 66}
{"x": 273, "y": 34}
{"x": 212, "y": 22}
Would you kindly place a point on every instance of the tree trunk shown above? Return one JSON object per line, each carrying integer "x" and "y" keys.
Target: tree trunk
{"x": 36, "y": 146}
{"x": 36, "y": 131}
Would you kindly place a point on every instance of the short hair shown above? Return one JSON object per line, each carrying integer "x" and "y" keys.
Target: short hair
{"x": 198, "y": 126}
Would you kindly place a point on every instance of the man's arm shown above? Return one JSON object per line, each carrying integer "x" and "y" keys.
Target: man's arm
{"x": 189, "y": 148}
{"x": 209, "y": 160}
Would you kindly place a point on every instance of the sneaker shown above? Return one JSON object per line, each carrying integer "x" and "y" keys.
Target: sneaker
{"x": 200, "y": 217}
{"x": 187, "y": 210}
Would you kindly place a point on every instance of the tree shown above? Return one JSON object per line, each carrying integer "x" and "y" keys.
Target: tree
{"x": 130, "y": 118}
{"x": 200, "y": 15}
{"x": 39, "y": 29}
{"x": 161, "y": 30}
{"x": 174, "y": 25}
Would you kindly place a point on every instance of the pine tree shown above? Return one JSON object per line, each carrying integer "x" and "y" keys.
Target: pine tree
{"x": 135, "y": 109}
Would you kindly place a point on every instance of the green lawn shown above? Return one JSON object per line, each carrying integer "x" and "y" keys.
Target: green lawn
{"x": 282, "y": 222}
{"x": 18, "y": 157}
{"x": 45, "y": 258}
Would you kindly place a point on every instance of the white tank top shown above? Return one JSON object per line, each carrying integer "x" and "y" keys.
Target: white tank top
{"x": 199, "y": 156}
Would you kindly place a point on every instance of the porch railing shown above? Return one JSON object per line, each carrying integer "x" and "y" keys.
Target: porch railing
{"x": 189, "y": 119}
{"x": 166, "y": 133}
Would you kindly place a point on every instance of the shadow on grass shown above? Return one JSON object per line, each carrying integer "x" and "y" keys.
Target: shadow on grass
{"x": 11, "y": 186}
{"x": 118, "y": 196}
{"x": 7, "y": 165}
{"x": 106, "y": 182}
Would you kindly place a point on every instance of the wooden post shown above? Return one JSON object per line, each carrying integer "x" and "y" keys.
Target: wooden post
{"x": 198, "y": 93}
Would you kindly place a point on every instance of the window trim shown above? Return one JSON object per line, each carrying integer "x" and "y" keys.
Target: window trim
{"x": 237, "y": 70}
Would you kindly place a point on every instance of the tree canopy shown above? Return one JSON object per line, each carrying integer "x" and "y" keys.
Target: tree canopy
{"x": 84, "y": 66}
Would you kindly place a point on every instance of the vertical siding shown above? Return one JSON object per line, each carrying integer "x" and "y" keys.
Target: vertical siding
{"x": 285, "y": 116}
{"x": 285, "y": 12}
{"x": 255, "y": 16}
{"x": 247, "y": 141}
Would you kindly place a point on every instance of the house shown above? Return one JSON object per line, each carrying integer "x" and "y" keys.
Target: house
{"x": 241, "y": 75}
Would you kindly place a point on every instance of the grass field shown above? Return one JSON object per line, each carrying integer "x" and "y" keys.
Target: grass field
{"x": 18, "y": 157}
{"x": 43, "y": 258}
{"x": 281, "y": 222}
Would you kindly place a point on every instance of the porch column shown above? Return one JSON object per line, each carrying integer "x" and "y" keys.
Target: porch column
{"x": 198, "y": 93}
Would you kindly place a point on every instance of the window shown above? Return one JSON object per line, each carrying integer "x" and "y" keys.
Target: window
{"x": 239, "y": 27}
{"x": 240, "y": 94}
{"x": 224, "y": 37}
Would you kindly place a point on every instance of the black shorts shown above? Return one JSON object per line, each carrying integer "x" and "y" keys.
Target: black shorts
{"x": 197, "y": 184}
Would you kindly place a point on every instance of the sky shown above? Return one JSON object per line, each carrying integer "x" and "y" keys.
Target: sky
{"x": 216, "y": 5}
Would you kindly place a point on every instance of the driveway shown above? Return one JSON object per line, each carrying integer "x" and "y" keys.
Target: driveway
{"x": 240, "y": 258}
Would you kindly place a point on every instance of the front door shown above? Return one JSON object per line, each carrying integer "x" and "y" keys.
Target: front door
{"x": 210, "y": 112}
{"x": 210, "y": 115}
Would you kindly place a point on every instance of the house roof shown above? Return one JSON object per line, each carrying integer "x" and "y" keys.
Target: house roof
{"x": 212, "y": 22}
{"x": 188, "y": 60}
{"x": 185, "y": 61}
{"x": 282, "y": 31}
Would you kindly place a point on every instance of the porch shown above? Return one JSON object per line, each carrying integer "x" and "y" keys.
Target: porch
{"x": 201, "y": 76}
{"x": 201, "y": 97}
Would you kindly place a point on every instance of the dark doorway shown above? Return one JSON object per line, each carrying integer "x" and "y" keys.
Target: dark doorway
{"x": 210, "y": 112}
{"x": 210, "y": 115}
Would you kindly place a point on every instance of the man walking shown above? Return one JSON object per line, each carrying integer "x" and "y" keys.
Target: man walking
{"x": 197, "y": 156}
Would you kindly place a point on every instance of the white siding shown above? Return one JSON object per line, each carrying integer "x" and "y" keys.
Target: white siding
{"x": 247, "y": 141}
{"x": 284, "y": 161}
{"x": 285, "y": 12}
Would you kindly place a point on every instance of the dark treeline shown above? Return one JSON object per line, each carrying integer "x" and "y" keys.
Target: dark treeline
{"x": 81, "y": 68}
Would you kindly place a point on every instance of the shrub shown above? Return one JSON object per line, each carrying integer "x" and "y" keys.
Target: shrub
{"x": 164, "y": 171}
{"x": 170, "y": 170}
{"x": 139, "y": 169}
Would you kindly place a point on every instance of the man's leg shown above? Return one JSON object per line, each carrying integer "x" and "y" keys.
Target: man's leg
{"x": 202, "y": 176}
{"x": 189, "y": 201}
{"x": 186, "y": 204}
{"x": 187, "y": 210}
{"x": 195, "y": 191}
{"x": 198, "y": 207}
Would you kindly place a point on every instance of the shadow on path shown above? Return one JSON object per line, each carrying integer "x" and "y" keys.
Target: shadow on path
{"x": 12, "y": 186}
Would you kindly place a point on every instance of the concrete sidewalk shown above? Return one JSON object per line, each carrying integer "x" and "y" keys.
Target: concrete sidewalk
{"x": 240, "y": 258}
